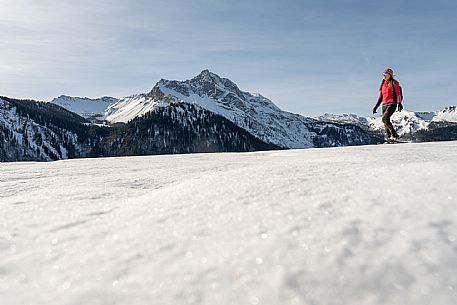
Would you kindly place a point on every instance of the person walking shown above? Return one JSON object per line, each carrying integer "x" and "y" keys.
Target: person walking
{"x": 390, "y": 96}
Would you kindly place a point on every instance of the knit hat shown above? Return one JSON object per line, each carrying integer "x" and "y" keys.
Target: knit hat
{"x": 390, "y": 71}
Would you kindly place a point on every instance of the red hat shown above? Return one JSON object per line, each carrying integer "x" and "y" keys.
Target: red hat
{"x": 389, "y": 70}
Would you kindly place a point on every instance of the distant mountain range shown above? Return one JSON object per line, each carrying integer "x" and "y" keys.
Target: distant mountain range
{"x": 406, "y": 122}
{"x": 409, "y": 125}
{"x": 204, "y": 114}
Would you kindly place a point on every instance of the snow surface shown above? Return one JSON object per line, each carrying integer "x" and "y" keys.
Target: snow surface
{"x": 349, "y": 225}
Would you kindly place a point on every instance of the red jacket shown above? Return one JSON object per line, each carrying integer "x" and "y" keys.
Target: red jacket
{"x": 389, "y": 96}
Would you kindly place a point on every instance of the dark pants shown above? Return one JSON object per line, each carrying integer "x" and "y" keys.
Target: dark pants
{"x": 387, "y": 112}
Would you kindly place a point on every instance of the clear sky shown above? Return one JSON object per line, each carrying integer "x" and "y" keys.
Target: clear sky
{"x": 309, "y": 57}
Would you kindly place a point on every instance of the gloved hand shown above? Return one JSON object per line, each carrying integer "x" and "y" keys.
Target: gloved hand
{"x": 400, "y": 106}
{"x": 375, "y": 109}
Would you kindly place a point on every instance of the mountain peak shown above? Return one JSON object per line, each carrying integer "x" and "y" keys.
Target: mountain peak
{"x": 63, "y": 96}
{"x": 207, "y": 76}
{"x": 206, "y": 72}
{"x": 449, "y": 109}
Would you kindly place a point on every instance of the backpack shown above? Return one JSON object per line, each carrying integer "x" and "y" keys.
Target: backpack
{"x": 395, "y": 93}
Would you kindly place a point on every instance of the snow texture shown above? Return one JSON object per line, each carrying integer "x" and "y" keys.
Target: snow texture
{"x": 349, "y": 225}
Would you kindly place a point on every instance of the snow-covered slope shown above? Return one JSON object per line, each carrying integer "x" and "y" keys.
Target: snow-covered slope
{"x": 128, "y": 108}
{"x": 86, "y": 107}
{"x": 371, "y": 225}
{"x": 252, "y": 112}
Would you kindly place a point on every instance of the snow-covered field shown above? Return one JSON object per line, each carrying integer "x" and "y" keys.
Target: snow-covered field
{"x": 352, "y": 225}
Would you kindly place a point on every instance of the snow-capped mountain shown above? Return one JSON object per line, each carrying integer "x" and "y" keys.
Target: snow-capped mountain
{"x": 208, "y": 90}
{"x": 405, "y": 122}
{"x": 92, "y": 109}
{"x": 448, "y": 114}
{"x": 409, "y": 123}
{"x": 252, "y": 112}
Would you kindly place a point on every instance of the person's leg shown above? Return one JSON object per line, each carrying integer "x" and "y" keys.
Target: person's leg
{"x": 392, "y": 110}
{"x": 388, "y": 111}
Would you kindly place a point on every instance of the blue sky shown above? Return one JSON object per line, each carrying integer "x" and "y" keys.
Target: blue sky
{"x": 309, "y": 57}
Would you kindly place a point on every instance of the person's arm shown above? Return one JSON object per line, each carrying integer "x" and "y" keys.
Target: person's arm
{"x": 399, "y": 96}
{"x": 378, "y": 103}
